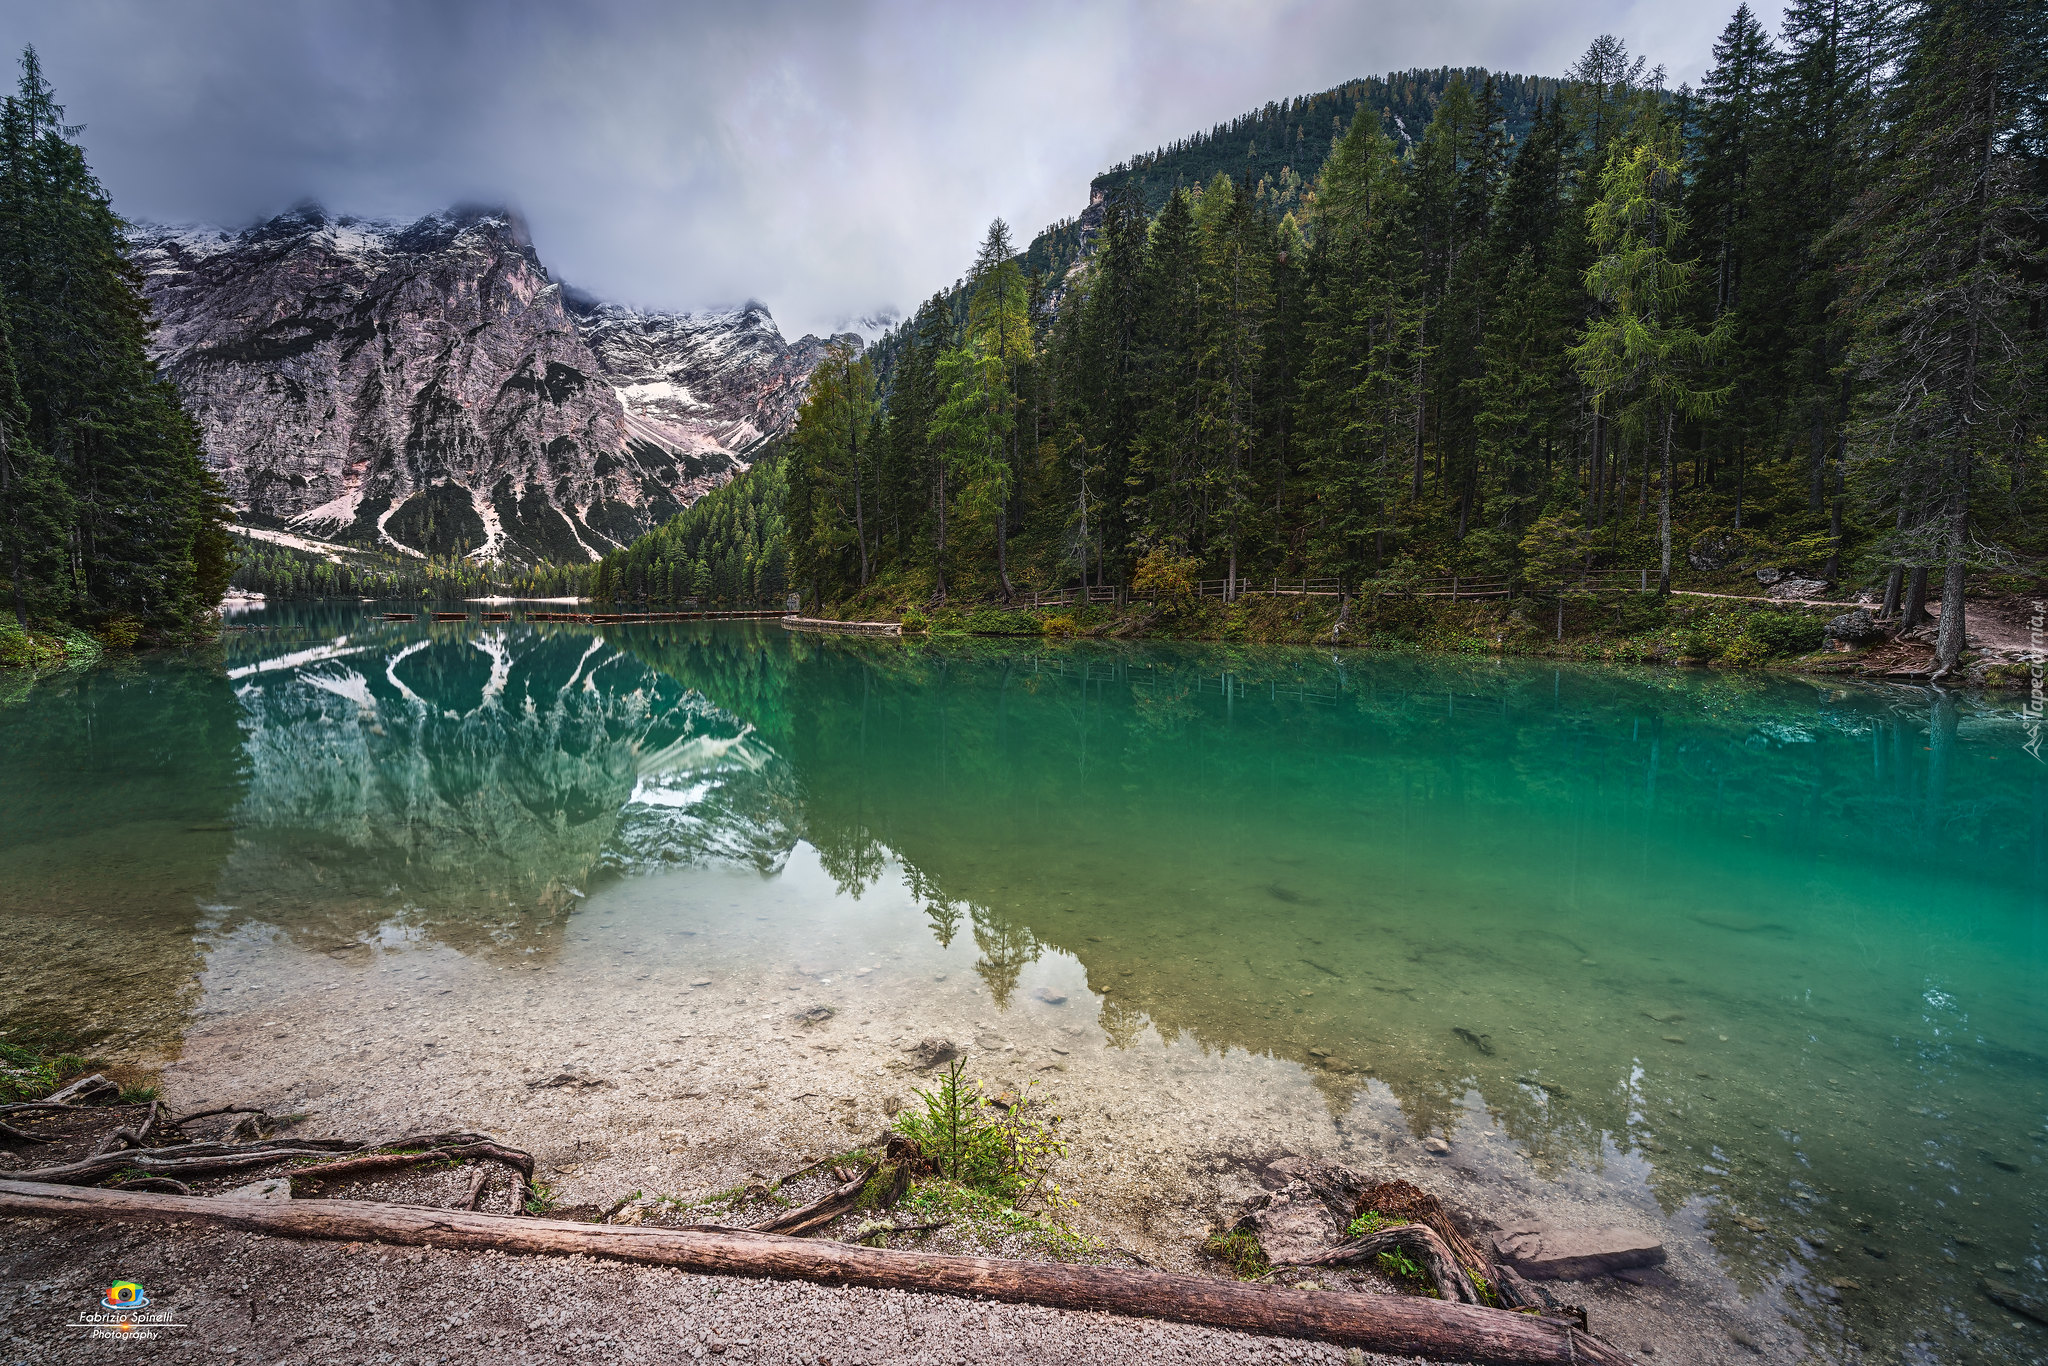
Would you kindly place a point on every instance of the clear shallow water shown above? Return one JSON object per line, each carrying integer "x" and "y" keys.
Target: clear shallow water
{"x": 1775, "y": 949}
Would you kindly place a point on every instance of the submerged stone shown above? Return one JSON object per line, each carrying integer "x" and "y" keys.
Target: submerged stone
{"x": 1577, "y": 1254}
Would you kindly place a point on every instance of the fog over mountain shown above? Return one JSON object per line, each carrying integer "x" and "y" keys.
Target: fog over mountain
{"x": 831, "y": 160}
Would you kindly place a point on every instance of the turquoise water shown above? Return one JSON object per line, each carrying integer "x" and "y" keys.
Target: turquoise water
{"x": 1782, "y": 944}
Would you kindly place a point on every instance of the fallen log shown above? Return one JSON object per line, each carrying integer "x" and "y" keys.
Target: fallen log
{"x": 1398, "y": 1324}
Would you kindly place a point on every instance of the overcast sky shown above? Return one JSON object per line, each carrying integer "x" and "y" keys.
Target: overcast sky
{"x": 829, "y": 157}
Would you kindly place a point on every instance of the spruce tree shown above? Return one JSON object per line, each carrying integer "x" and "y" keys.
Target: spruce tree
{"x": 1946, "y": 272}
{"x": 1643, "y": 351}
{"x": 35, "y": 508}
{"x": 144, "y": 536}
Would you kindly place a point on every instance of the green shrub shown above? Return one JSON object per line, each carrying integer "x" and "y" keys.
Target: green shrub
{"x": 1171, "y": 578}
{"x": 1059, "y": 626}
{"x": 1398, "y": 1264}
{"x": 1745, "y": 652}
{"x": 31, "y": 1074}
{"x": 1786, "y": 633}
{"x": 915, "y": 621}
{"x": 121, "y": 633}
{"x": 977, "y": 1144}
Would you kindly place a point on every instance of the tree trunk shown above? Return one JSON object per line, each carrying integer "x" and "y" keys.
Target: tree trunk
{"x": 1892, "y": 583}
{"x": 1664, "y": 515}
{"x": 939, "y": 544}
{"x": 1399, "y": 1325}
{"x": 1949, "y": 634}
{"x": 1003, "y": 548}
{"x": 1914, "y": 614}
{"x": 1421, "y": 401}
{"x": 20, "y": 612}
{"x": 860, "y": 526}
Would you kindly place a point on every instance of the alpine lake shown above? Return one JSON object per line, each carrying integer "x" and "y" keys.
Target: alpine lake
{"x": 1759, "y": 963}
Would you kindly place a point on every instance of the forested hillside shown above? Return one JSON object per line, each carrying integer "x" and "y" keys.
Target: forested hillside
{"x": 1277, "y": 150}
{"x": 108, "y": 515}
{"x": 727, "y": 549}
{"x": 283, "y": 572}
{"x": 1793, "y": 318}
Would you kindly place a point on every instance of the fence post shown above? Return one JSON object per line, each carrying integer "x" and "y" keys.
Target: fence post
{"x": 1646, "y": 582}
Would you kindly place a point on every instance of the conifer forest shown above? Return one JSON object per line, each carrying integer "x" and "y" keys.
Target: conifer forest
{"x": 1799, "y": 310}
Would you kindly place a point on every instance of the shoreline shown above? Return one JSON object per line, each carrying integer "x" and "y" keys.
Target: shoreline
{"x": 1693, "y": 628}
{"x": 706, "y": 1077}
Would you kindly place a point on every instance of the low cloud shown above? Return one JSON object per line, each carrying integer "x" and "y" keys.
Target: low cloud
{"x": 827, "y": 158}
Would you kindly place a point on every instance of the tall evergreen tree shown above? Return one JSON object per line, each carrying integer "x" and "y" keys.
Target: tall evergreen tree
{"x": 1948, "y": 265}
{"x": 144, "y": 536}
{"x": 35, "y": 508}
{"x": 1643, "y": 349}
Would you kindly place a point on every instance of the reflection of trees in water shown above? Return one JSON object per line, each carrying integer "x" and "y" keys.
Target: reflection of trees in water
{"x": 1006, "y": 949}
{"x": 115, "y": 790}
{"x": 469, "y": 785}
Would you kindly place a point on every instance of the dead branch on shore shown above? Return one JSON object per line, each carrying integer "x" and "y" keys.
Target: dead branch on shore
{"x": 183, "y": 1120}
{"x": 84, "y": 1091}
{"x": 1451, "y": 1281}
{"x": 820, "y": 1212}
{"x": 346, "y": 1158}
{"x": 350, "y": 1168}
{"x": 1396, "y": 1324}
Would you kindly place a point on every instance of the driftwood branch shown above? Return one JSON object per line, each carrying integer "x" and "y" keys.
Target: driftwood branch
{"x": 1451, "y": 1281}
{"x": 184, "y": 1159}
{"x": 84, "y": 1091}
{"x": 163, "y": 1185}
{"x": 217, "y": 1110}
{"x": 19, "y": 1135}
{"x": 1401, "y": 1325}
{"x": 349, "y": 1168}
{"x": 820, "y": 1212}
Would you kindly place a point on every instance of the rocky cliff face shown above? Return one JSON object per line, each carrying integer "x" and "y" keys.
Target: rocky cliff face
{"x": 430, "y": 389}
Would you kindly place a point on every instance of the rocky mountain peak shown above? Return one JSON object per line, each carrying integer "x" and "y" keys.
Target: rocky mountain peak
{"x": 427, "y": 387}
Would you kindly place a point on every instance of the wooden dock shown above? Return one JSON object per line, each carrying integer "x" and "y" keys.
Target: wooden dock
{"x": 399, "y": 616}
{"x": 852, "y": 628}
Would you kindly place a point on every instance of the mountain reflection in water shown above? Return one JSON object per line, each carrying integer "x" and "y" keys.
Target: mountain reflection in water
{"x": 466, "y": 787}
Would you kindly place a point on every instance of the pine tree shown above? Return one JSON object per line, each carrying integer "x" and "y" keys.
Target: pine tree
{"x": 1166, "y": 464}
{"x": 1236, "y": 296}
{"x": 1643, "y": 351}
